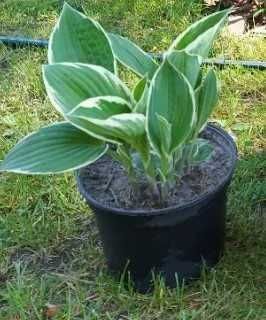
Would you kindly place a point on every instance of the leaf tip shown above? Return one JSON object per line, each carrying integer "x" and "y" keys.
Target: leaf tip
{"x": 66, "y": 7}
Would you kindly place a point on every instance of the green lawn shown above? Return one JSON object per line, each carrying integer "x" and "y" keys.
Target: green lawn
{"x": 49, "y": 246}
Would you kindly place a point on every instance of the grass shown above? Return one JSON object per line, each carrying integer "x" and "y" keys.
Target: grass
{"x": 49, "y": 247}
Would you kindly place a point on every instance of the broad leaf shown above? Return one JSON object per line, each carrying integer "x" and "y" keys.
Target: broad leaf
{"x": 77, "y": 38}
{"x": 53, "y": 149}
{"x": 102, "y": 107}
{"x": 206, "y": 99}
{"x": 199, "y": 37}
{"x": 68, "y": 84}
{"x": 109, "y": 122}
{"x": 132, "y": 56}
{"x": 186, "y": 63}
{"x": 171, "y": 97}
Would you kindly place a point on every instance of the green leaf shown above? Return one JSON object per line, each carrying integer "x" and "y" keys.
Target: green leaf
{"x": 77, "y": 38}
{"x": 199, "y": 37}
{"x": 206, "y": 99}
{"x": 186, "y": 63}
{"x": 141, "y": 105}
{"x": 170, "y": 96}
{"x": 197, "y": 151}
{"x": 110, "y": 120}
{"x": 139, "y": 89}
{"x": 68, "y": 84}
{"x": 165, "y": 129}
{"x": 121, "y": 128}
{"x": 102, "y": 107}
{"x": 123, "y": 155}
{"x": 53, "y": 149}
{"x": 204, "y": 151}
{"x": 132, "y": 56}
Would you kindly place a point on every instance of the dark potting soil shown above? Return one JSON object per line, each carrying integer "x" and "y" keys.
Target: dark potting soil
{"x": 107, "y": 182}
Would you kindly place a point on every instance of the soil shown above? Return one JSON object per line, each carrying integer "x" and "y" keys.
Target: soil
{"x": 106, "y": 181}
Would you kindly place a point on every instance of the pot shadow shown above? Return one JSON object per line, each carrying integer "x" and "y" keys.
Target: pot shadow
{"x": 70, "y": 255}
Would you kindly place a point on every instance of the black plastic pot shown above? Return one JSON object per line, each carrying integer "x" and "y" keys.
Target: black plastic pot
{"x": 174, "y": 242}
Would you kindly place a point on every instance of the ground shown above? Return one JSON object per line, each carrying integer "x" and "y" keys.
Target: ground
{"x": 49, "y": 245}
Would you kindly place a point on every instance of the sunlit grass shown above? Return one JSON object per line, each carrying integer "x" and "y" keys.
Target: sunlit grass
{"x": 49, "y": 246}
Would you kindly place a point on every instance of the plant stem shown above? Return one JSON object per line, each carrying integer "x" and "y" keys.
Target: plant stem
{"x": 164, "y": 193}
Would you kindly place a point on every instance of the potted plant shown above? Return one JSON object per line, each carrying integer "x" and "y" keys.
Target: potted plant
{"x": 146, "y": 162}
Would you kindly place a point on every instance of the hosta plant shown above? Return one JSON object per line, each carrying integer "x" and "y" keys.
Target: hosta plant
{"x": 151, "y": 130}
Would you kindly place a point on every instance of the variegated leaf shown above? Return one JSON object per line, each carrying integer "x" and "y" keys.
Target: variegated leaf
{"x": 68, "y": 84}
{"x": 53, "y": 149}
{"x": 206, "y": 99}
{"x": 199, "y": 37}
{"x": 186, "y": 63}
{"x": 132, "y": 56}
{"x": 77, "y": 38}
{"x": 171, "y": 97}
